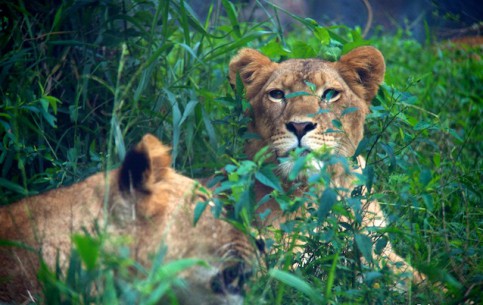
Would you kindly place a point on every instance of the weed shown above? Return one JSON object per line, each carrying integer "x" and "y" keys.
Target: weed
{"x": 77, "y": 88}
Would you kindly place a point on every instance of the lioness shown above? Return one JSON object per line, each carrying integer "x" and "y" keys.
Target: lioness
{"x": 146, "y": 200}
{"x": 285, "y": 119}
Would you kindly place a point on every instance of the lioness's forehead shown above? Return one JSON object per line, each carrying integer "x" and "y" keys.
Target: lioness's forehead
{"x": 304, "y": 65}
{"x": 297, "y": 71}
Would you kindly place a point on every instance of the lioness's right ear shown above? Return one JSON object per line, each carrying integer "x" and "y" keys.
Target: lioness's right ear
{"x": 254, "y": 69}
{"x": 363, "y": 69}
{"x": 144, "y": 165}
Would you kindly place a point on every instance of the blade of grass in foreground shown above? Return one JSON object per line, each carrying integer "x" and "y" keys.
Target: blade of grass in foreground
{"x": 296, "y": 283}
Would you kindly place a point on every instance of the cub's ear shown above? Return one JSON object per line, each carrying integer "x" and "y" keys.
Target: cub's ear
{"x": 254, "y": 69}
{"x": 144, "y": 165}
{"x": 363, "y": 70}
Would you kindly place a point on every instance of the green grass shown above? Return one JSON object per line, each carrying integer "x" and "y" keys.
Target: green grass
{"x": 79, "y": 89}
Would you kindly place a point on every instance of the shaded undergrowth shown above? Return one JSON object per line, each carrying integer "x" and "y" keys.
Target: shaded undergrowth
{"x": 79, "y": 88}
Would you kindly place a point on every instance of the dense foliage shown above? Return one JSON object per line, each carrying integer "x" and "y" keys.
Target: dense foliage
{"x": 82, "y": 80}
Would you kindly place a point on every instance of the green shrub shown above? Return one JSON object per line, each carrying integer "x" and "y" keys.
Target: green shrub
{"x": 78, "y": 88}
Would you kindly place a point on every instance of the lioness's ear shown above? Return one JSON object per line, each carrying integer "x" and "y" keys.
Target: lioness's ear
{"x": 144, "y": 165}
{"x": 363, "y": 70}
{"x": 254, "y": 69}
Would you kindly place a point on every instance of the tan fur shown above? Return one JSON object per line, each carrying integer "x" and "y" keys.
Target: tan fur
{"x": 356, "y": 76}
{"x": 148, "y": 201}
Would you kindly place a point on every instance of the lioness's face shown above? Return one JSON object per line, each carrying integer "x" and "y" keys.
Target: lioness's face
{"x": 308, "y": 103}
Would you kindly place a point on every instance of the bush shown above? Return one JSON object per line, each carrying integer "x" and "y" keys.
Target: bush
{"x": 78, "y": 88}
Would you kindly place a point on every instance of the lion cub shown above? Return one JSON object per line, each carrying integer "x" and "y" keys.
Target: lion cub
{"x": 145, "y": 199}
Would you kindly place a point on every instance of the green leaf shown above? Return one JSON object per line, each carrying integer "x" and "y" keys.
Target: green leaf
{"x": 118, "y": 138}
{"x": 297, "y": 167}
{"x": 370, "y": 277}
{"x": 428, "y": 201}
{"x": 368, "y": 172}
{"x": 239, "y": 89}
{"x": 188, "y": 110}
{"x": 364, "y": 243}
{"x": 303, "y": 50}
{"x": 262, "y": 155}
{"x": 13, "y": 186}
{"x": 311, "y": 86}
{"x": 296, "y": 283}
{"x": 455, "y": 135}
{"x": 352, "y": 45}
{"x": 16, "y": 244}
{"x": 53, "y": 101}
{"x": 232, "y": 16}
{"x": 230, "y": 168}
{"x": 266, "y": 176}
{"x": 326, "y": 202}
{"x": 191, "y": 52}
{"x": 210, "y": 130}
{"x": 328, "y": 96}
{"x": 222, "y": 50}
{"x": 243, "y": 202}
{"x": 297, "y": 94}
{"x": 334, "y": 34}
{"x": 45, "y": 113}
{"x": 337, "y": 124}
{"x": 331, "y": 277}
{"x": 422, "y": 125}
{"x": 72, "y": 155}
{"x": 273, "y": 49}
{"x": 264, "y": 214}
{"x": 109, "y": 296}
{"x": 57, "y": 19}
{"x": 173, "y": 268}
{"x": 356, "y": 35}
{"x": 246, "y": 167}
{"x": 349, "y": 110}
{"x": 155, "y": 295}
{"x": 199, "y": 209}
{"x": 381, "y": 243}
{"x": 88, "y": 249}
{"x": 363, "y": 144}
{"x": 74, "y": 113}
{"x": 425, "y": 177}
{"x": 390, "y": 153}
{"x": 437, "y": 159}
{"x": 322, "y": 35}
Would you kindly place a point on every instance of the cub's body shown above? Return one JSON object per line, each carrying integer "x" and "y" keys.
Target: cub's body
{"x": 145, "y": 200}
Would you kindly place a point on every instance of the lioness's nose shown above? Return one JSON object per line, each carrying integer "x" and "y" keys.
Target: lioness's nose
{"x": 300, "y": 129}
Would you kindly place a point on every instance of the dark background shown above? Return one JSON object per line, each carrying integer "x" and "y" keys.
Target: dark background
{"x": 445, "y": 19}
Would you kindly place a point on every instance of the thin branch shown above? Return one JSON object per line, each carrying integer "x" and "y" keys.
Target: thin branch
{"x": 370, "y": 17}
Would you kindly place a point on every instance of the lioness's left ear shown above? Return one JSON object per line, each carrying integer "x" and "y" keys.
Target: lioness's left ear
{"x": 144, "y": 165}
{"x": 363, "y": 69}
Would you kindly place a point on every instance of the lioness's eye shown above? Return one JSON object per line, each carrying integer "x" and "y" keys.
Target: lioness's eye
{"x": 277, "y": 94}
{"x": 329, "y": 95}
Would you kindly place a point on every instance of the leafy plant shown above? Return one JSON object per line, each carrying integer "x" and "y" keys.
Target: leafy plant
{"x": 78, "y": 88}
{"x": 96, "y": 275}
